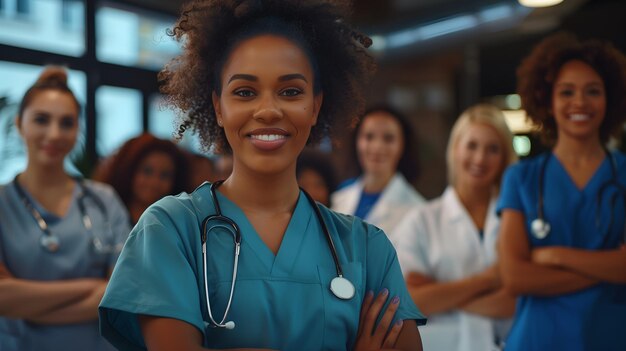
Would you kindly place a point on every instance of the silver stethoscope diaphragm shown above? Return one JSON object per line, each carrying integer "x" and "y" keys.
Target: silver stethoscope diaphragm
{"x": 342, "y": 288}
{"x": 540, "y": 228}
{"x": 50, "y": 242}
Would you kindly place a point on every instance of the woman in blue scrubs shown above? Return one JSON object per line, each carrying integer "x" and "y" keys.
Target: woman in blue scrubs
{"x": 562, "y": 232}
{"x": 59, "y": 236}
{"x": 261, "y": 79}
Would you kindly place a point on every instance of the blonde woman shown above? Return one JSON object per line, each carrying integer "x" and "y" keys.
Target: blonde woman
{"x": 447, "y": 248}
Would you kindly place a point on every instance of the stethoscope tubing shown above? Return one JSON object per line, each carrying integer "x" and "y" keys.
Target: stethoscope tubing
{"x": 337, "y": 284}
{"x": 86, "y": 219}
{"x": 613, "y": 181}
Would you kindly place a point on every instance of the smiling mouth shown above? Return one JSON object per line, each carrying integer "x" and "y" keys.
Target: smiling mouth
{"x": 579, "y": 117}
{"x": 268, "y": 137}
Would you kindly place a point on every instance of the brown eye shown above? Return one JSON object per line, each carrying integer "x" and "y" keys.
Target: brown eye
{"x": 389, "y": 138}
{"x": 244, "y": 93}
{"x": 291, "y": 92}
{"x": 493, "y": 149}
{"x": 41, "y": 118}
{"x": 68, "y": 123}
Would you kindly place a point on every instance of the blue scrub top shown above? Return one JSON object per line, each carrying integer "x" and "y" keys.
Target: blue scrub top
{"x": 25, "y": 258}
{"x": 280, "y": 302}
{"x": 590, "y": 319}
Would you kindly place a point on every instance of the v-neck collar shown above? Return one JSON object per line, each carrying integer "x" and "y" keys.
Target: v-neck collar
{"x": 282, "y": 263}
{"x": 50, "y": 217}
{"x": 455, "y": 211}
{"x": 590, "y": 182}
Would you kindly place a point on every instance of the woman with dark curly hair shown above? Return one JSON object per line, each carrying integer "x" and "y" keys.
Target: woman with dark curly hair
{"x": 144, "y": 170}
{"x": 261, "y": 79}
{"x": 384, "y": 147}
{"x": 562, "y": 233}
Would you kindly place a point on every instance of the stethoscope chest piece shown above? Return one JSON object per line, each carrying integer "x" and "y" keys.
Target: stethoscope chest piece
{"x": 342, "y": 288}
{"x": 540, "y": 228}
{"x": 50, "y": 243}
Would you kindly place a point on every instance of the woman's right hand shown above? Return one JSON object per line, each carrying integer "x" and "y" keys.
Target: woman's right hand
{"x": 371, "y": 337}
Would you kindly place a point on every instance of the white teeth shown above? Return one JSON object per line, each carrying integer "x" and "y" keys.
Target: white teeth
{"x": 579, "y": 117}
{"x": 268, "y": 137}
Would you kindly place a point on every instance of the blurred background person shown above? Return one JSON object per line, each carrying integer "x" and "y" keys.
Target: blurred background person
{"x": 201, "y": 169}
{"x": 316, "y": 175}
{"x": 223, "y": 166}
{"x": 144, "y": 170}
{"x": 562, "y": 235}
{"x": 447, "y": 248}
{"x": 59, "y": 236}
{"x": 386, "y": 158}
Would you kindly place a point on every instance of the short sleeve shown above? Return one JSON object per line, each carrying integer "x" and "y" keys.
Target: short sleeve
{"x": 383, "y": 271}
{"x": 509, "y": 192}
{"x": 412, "y": 243}
{"x": 155, "y": 275}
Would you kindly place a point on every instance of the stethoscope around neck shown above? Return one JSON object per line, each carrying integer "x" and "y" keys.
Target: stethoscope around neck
{"x": 49, "y": 241}
{"x": 341, "y": 287}
{"x": 540, "y": 227}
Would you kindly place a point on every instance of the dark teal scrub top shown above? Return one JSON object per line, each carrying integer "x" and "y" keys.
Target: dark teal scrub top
{"x": 280, "y": 301}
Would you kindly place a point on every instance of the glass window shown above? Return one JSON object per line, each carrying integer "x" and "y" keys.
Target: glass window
{"x": 119, "y": 117}
{"x": 134, "y": 38}
{"x": 162, "y": 123}
{"x": 48, "y": 25}
{"x": 16, "y": 79}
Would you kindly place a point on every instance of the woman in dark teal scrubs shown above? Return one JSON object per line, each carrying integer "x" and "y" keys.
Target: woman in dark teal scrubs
{"x": 562, "y": 232}
{"x": 263, "y": 79}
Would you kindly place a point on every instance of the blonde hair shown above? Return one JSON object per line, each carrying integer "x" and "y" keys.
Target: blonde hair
{"x": 481, "y": 114}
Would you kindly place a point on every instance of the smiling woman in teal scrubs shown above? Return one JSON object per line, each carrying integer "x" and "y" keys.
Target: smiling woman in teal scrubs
{"x": 261, "y": 78}
{"x": 562, "y": 233}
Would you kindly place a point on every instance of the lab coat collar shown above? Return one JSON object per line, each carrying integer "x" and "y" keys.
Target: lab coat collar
{"x": 395, "y": 192}
{"x": 455, "y": 211}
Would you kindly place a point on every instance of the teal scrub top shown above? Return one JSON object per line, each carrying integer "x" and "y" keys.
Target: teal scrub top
{"x": 586, "y": 320}
{"x": 280, "y": 302}
{"x": 25, "y": 258}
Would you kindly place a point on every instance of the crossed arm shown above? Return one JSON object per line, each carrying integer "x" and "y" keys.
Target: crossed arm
{"x": 166, "y": 334}
{"x": 481, "y": 294}
{"x": 552, "y": 270}
{"x": 50, "y": 302}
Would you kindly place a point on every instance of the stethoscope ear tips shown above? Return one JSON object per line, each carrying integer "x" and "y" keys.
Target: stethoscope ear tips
{"x": 540, "y": 228}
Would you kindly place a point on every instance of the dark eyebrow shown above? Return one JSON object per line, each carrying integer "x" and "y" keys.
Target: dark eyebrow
{"x": 244, "y": 77}
{"x": 287, "y": 77}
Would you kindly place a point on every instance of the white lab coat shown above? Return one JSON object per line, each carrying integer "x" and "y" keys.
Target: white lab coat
{"x": 395, "y": 201}
{"x": 440, "y": 240}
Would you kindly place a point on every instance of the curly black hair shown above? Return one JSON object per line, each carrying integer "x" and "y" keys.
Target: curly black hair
{"x": 210, "y": 29}
{"x": 537, "y": 73}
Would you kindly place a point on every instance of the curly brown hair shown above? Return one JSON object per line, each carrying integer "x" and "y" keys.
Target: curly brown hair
{"x": 537, "y": 73}
{"x": 120, "y": 170}
{"x": 210, "y": 29}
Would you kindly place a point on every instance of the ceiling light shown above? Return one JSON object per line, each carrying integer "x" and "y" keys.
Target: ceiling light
{"x": 539, "y": 3}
